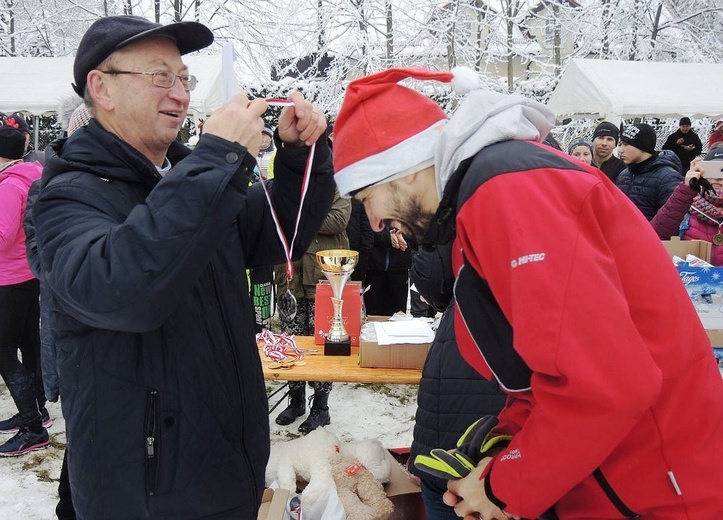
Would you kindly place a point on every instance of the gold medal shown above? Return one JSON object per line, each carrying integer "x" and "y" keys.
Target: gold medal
{"x": 718, "y": 239}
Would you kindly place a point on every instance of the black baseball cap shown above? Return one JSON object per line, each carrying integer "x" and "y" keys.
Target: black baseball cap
{"x": 109, "y": 34}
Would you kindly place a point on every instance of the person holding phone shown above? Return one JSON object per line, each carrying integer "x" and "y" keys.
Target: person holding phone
{"x": 704, "y": 219}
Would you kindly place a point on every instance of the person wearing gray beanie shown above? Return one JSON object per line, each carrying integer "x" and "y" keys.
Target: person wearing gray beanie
{"x": 581, "y": 149}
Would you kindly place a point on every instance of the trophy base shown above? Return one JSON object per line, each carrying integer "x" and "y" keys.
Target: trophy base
{"x": 337, "y": 348}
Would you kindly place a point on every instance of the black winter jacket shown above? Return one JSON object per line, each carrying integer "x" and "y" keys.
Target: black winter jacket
{"x": 161, "y": 381}
{"x": 650, "y": 183}
{"x": 452, "y": 395}
{"x": 384, "y": 257}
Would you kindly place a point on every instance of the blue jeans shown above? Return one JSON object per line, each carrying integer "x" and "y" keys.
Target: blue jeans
{"x": 432, "y": 491}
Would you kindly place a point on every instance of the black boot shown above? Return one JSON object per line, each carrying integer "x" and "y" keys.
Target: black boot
{"x": 319, "y": 414}
{"x": 297, "y": 405}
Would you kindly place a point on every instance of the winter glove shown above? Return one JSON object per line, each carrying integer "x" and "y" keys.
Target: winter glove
{"x": 474, "y": 444}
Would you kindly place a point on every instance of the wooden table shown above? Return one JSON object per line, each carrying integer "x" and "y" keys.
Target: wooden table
{"x": 343, "y": 369}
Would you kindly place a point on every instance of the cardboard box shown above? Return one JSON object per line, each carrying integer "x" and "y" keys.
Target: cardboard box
{"x": 404, "y": 492}
{"x": 705, "y": 287}
{"x": 397, "y": 355}
{"x": 716, "y": 338}
{"x": 273, "y": 504}
{"x": 350, "y": 311}
{"x": 677, "y": 247}
{"x": 402, "y": 489}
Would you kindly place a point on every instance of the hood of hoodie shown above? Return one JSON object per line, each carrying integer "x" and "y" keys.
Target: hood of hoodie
{"x": 25, "y": 172}
{"x": 484, "y": 118}
{"x": 96, "y": 151}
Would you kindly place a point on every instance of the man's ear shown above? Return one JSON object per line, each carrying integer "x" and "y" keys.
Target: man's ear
{"x": 99, "y": 88}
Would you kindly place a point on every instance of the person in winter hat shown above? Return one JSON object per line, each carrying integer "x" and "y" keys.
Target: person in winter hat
{"x": 144, "y": 245}
{"x": 581, "y": 149}
{"x": 18, "y": 122}
{"x": 605, "y": 140}
{"x": 717, "y": 135}
{"x": 650, "y": 177}
{"x": 704, "y": 219}
{"x": 19, "y": 304}
{"x": 78, "y": 119}
{"x": 685, "y": 143}
{"x": 597, "y": 408}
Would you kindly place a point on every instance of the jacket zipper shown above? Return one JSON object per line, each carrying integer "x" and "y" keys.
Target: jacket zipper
{"x": 151, "y": 442}
{"x": 239, "y": 386}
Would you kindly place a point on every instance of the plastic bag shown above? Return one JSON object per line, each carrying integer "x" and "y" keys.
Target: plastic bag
{"x": 326, "y": 507}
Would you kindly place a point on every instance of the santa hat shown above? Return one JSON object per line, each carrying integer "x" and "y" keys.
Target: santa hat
{"x": 385, "y": 130}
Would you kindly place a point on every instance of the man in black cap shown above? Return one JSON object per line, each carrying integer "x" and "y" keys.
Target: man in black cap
{"x": 650, "y": 177}
{"x": 685, "y": 143}
{"x": 18, "y": 122}
{"x": 144, "y": 245}
{"x": 604, "y": 142}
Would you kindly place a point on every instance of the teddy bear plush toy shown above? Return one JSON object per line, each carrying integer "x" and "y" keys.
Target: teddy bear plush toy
{"x": 360, "y": 493}
{"x": 357, "y": 469}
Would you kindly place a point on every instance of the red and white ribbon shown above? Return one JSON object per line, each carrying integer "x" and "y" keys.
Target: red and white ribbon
{"x": 280, "y": 346}
{"x": 289, "y": 247}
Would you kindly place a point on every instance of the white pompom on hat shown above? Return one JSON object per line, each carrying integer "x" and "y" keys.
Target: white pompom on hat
{"x": 385, "y": 130}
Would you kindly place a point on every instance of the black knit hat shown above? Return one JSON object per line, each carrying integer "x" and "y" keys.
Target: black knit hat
{"x": 18, "y": 122}
{"x": 606, "y": 128}
{"x": 641, "y": 136}
{"x": 684, "y": 121}
{"x": 12, "y": 143}
{"x": 107, "y": 35}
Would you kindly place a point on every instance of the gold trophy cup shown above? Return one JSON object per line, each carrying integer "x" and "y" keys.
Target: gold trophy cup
{"x": 337, "y": 265}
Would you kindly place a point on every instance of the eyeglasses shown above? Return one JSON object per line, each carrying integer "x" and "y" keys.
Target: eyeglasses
{"x": 162, "y": 79}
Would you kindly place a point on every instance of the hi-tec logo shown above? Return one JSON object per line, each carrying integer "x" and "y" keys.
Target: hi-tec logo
{"x": 526, "y": 259}
{"x": 688, "y": 278}
{"x": 514, "y": 454}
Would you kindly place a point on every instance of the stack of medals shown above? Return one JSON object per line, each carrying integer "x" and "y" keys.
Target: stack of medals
{"x": 281, "y": 350}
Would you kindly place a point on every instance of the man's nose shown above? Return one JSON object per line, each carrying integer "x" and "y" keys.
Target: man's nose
{"x": 178, "y": 91}
{"x": 376, "y": 224}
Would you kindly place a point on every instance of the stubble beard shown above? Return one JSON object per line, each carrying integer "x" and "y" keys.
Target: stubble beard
{"x": 417, "y": 220}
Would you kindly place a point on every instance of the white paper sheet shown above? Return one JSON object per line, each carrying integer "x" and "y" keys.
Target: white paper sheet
{"x": 412, "y": 331}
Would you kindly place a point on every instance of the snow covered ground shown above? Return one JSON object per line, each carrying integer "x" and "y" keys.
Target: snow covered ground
{"x": 28, "y": 484}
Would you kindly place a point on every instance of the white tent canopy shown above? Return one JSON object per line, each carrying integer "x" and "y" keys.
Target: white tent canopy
{"x": 615, "y": 90}
{"x": 38, "y": 85}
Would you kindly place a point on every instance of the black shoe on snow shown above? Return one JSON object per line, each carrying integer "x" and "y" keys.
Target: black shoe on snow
{"x": 290, "y": 414}
{"x": 25, "y": 441}
{"x": 317, "y": 417}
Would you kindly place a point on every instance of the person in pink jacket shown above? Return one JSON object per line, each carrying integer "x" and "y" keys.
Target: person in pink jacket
{"x": 694, "y": 215}
{"x": 19, "y": 303}
{"x": 564, "y": 294}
